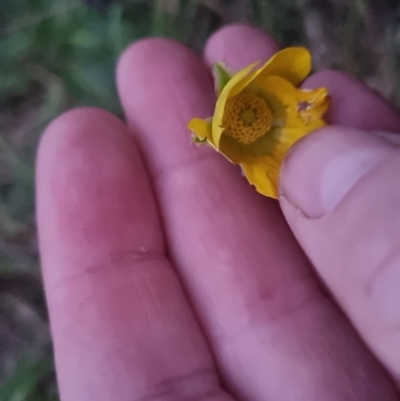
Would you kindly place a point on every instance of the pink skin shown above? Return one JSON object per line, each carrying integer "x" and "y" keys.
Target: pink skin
{"x": 170, "y": 278}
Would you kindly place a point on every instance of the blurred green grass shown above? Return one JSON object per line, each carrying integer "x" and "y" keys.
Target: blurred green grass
{"x": 57, "y": 54}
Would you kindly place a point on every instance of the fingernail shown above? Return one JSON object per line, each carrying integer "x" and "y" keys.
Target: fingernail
{"x": 323, "y": 168}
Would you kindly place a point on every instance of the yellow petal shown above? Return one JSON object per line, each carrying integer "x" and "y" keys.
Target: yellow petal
{"x": 263, "y": 175}
{"x": 292, "y": 64}
{"x": 315, "y": 104}
{"x": 286, "y": 93}
{"x": 263, "y": 172}
{"x": 233, "y": 87}
{"x": 202, "y": 129}
{"x": 315, "y": 124}
{"x": 289, "y": 136}
{"x": 313, "y": 96}
{"x": 287, "y": 124}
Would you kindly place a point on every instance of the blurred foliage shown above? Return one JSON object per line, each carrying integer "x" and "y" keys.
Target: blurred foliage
{"x": 28, "y": 380}
{"x": 57, "y": 54}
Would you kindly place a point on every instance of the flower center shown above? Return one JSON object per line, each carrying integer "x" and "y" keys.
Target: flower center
{"x": 247, "y": 117}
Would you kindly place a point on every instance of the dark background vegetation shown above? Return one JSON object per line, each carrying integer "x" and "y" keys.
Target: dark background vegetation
{"x": 57, "y": 54}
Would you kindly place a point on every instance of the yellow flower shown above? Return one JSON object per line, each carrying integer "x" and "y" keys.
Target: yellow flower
{"x": 260, "y": 113}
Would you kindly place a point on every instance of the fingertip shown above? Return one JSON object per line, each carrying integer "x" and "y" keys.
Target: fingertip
{"x": 77, "y": 131}
{"x": 148, "y": 67}
{"x": 68, "y": 127}
{"x": 239, "y": 45}
{"x": 322, "y": 168}
{"x": 85, "y": 131}
{"x": 162, "y": 86}
{"x": 325, "y": 77}
{"x": 91, "y": 186}
{"x": 150, "y": 54}
{"x": 80, "y": 114}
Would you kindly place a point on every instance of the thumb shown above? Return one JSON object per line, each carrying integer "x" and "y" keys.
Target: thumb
{"x": 340, "y": 193}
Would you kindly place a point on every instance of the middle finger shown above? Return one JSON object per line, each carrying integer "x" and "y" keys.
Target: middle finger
{"x": 264, "y": 314}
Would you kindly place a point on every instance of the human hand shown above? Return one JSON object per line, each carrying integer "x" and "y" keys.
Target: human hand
{"x": 183, "y": 283}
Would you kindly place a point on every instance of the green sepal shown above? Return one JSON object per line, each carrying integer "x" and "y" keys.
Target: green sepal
{"x": 222, "y": 75}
